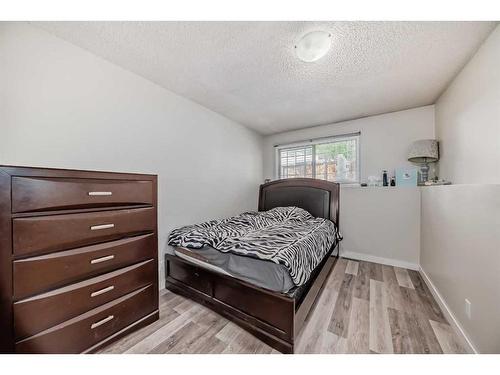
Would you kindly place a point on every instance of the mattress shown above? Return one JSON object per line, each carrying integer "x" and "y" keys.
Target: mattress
{"x": 264, "y": 274}
{"x": 287, "y": 236}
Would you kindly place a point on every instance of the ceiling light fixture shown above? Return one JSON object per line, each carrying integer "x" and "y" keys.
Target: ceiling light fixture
{"x": 313, "y": 46}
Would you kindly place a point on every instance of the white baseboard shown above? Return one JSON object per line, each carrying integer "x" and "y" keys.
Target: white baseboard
{"x": 375, "y": 259}
{"x": 450, "y": 317}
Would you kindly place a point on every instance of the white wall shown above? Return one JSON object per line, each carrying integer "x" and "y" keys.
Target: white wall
{"x": 61, "y": 106}
{"x": 468, "y": 119}
{"x": 368, "y": 216}
{"x": 384, "y": 142}
{"x": 461, "y": 256}
{"x": 381, "y": 225}
{"x": 460, "y": 238}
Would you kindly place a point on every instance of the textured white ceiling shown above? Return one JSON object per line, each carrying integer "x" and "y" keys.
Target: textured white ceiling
{"x": 247, "y": 71}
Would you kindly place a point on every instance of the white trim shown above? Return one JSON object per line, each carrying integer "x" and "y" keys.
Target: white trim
{"x": 375, "y": 259}
{"x": 450, "y": 317}
{"x": 319, "y": 141}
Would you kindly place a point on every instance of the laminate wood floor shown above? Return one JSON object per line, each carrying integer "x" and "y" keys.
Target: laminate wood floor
{"x": 363, "y": 308}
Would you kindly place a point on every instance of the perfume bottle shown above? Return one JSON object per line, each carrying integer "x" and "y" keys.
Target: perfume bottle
{"x": 385, "y": 181}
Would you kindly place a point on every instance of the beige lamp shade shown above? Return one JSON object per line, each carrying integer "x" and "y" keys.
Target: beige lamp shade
{"x": 424, "y": 151}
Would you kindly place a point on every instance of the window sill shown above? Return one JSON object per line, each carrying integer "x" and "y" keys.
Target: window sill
{"x": 358, "y": 186}
{"x": 350, "y": 185}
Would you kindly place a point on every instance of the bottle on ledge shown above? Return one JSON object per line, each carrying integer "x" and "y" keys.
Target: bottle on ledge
{"x": 385, "y": 181}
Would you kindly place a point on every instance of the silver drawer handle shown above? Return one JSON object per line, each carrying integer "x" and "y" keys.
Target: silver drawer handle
{"x": 99, "y": 193}
{"x": 103, "y": 226}
{"x": 103, "y": 259}
{"x": 102, "y": 291}
{"x": 101, "y": 322}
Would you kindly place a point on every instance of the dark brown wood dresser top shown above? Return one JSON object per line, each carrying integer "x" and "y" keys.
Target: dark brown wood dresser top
{"x": 78, "y": 258}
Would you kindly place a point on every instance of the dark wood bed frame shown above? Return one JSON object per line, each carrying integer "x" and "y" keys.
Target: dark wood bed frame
{"x": 273, "y": 317}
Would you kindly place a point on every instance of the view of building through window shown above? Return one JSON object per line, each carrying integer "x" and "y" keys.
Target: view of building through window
{"x": 335, "y": 160}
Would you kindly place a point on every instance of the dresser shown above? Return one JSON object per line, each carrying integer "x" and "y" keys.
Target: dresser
{"x": 78, "y": 258}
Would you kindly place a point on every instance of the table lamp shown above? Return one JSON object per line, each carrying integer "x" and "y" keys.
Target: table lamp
{"x": 423, "y": 152}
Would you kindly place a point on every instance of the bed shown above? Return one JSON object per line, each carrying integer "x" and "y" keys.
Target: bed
{"x": 269, "y": 306}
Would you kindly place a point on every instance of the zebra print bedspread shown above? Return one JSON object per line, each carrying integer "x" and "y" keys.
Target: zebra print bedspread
{"x": 289, "y": 236}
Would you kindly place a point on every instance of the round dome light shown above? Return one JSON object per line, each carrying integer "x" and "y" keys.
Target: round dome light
{"x": 313, "y": 46}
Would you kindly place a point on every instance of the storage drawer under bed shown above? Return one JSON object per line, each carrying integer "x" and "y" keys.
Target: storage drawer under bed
{"x": 190, "y": 275}
{"x": 256, "y": 302}
{"x": 250, "y": 300}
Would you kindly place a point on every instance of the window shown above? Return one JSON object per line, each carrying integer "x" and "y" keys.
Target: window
{"x": 332, "y": 159}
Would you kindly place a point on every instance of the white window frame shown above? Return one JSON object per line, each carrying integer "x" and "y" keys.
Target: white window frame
{"x": 318, "y": 141}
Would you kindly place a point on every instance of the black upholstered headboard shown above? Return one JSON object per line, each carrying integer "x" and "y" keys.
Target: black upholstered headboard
{"x": 320, "y": 198}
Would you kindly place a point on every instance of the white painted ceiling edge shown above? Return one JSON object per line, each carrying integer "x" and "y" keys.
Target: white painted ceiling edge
{"x": 249, "y": 72}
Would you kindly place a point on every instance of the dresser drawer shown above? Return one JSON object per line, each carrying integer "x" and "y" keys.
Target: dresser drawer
{"x": 35, "y": 314}
{"x": 38, "y": 194}
{"x": 39, "y": 274}
{"x": 60, "y": 232}
{"x": 190, "y": 275}
{"x": 82, "y": 332}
